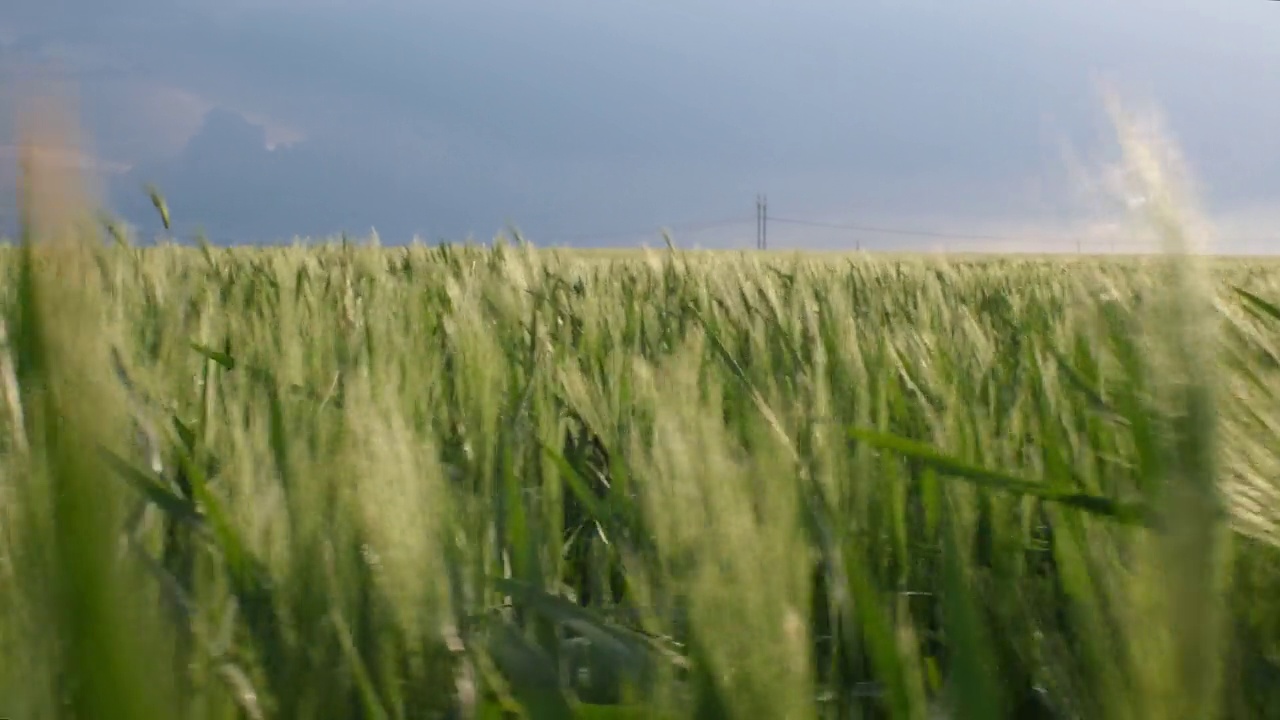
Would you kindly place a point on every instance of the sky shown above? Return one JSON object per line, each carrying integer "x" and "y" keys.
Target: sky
{"x": 589, "y": 123}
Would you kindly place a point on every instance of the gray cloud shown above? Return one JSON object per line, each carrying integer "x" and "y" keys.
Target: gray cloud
{"x": 572, "y": 117}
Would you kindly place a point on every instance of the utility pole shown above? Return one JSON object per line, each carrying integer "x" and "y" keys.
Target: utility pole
{"x": 759, "y": 218}
{"x": 762, "y": 222}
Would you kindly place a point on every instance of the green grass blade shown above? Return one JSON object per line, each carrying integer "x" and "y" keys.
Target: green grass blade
{"x": 1123, "y": 512}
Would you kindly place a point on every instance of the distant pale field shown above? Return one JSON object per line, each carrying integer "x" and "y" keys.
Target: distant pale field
{"x": 631, "y": 253}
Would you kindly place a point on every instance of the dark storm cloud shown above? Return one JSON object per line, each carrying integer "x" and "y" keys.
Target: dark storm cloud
{"x": 572, "y": 117}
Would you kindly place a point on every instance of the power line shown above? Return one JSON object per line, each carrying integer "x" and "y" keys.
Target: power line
{"x": 899, "y": 231}
{"x": 688, "y": 226}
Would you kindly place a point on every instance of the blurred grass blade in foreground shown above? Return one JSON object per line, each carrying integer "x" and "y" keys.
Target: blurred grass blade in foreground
{"x": 104, "y": 649}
